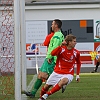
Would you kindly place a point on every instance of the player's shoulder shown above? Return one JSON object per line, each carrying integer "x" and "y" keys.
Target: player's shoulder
{"x": 63, "y": 47}
{"x": 59, "y": 35}
{"x": 50, "y": 35}
{"x": 76, "y": 50}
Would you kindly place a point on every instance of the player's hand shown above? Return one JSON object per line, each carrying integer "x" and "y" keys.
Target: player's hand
{"x": 63, "y": 43}
{"x": 42, "y": 44}
{"x": 49, "y": 61}
{"x": 77, "y": 78}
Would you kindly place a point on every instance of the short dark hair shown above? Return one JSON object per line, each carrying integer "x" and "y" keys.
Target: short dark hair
{"x": 58, "y": 22}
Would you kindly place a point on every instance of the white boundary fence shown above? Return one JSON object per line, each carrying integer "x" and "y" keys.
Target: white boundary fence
{"x": 83, "y": 55}
{"x": 36, "y": 56}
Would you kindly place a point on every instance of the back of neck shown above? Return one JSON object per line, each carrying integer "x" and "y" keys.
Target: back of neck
{"x": 57, "y": 30}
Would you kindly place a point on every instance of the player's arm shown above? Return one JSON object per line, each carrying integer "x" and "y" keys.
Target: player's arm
{"x": 78, "y": 62}
{"x": 56, "y": 51}
{"x": 46, "y": 41}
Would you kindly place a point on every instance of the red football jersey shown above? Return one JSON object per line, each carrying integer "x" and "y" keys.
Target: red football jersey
{"x": 66, "y": 60}
{"x": 47, "y": 40}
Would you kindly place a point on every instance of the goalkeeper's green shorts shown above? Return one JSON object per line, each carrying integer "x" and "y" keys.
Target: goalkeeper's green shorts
{"x": 47, "y": 67}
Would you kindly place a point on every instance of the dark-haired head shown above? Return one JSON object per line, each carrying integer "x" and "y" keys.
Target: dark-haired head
{"x": 59, "y": 23}
{"x": 56, "y": 25}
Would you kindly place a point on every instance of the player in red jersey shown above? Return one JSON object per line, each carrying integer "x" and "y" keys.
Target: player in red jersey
{"x": 48, "y": 38}
{"x": 63, "y": 72}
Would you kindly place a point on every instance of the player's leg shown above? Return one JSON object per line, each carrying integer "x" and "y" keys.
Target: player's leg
{"x": 97, "y": 65}
{"x": 70, "y": 78}
{"x": 52, "y": 80}
{"x": 58, "y": 86}
{"x": 63, "y": 88}
{"x": 44, "y": 72}
{"x": 44, "y": 89}
{"x": 64, "y": 80}
{"x": 38, "y": 82}
{"x": 96, "y": 68}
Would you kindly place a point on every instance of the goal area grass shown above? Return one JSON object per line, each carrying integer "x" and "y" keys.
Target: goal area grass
{"x": 87, "y": 89}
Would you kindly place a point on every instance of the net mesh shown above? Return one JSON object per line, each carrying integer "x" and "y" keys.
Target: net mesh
{"x": 6, "y": 50}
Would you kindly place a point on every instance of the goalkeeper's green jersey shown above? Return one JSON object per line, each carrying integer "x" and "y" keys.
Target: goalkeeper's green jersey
{"x": 55, "y": 41}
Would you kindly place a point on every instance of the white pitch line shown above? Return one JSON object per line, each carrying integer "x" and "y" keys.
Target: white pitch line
{"x": 29, "y": 87}
{"x": 24, "y": 97}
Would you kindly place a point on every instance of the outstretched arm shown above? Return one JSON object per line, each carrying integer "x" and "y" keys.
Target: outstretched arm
{"x": 78, "y": 61}
{"x": 56, "y": 51}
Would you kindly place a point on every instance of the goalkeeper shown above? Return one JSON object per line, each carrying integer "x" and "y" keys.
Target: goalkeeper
{"x": 49, "y": 63}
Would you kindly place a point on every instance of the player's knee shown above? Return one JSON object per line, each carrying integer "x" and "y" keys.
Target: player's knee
{"x": 42, "y": 76}
{"x": 39, "y": 77}
{"x": 64, "y": 81}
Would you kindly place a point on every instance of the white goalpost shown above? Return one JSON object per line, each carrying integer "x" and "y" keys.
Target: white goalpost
{"x": 17, "y": 50}
{"x": 23, "y": 44}
{"x": 20, "y": 45}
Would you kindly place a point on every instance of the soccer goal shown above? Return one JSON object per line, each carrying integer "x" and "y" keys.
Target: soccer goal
{"x": 12, "y": 49}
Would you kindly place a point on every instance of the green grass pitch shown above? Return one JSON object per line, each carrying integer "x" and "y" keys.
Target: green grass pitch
{"x": 87, "y": 89}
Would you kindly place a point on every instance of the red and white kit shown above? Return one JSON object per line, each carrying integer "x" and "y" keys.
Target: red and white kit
{"x": 65, "y": 63}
